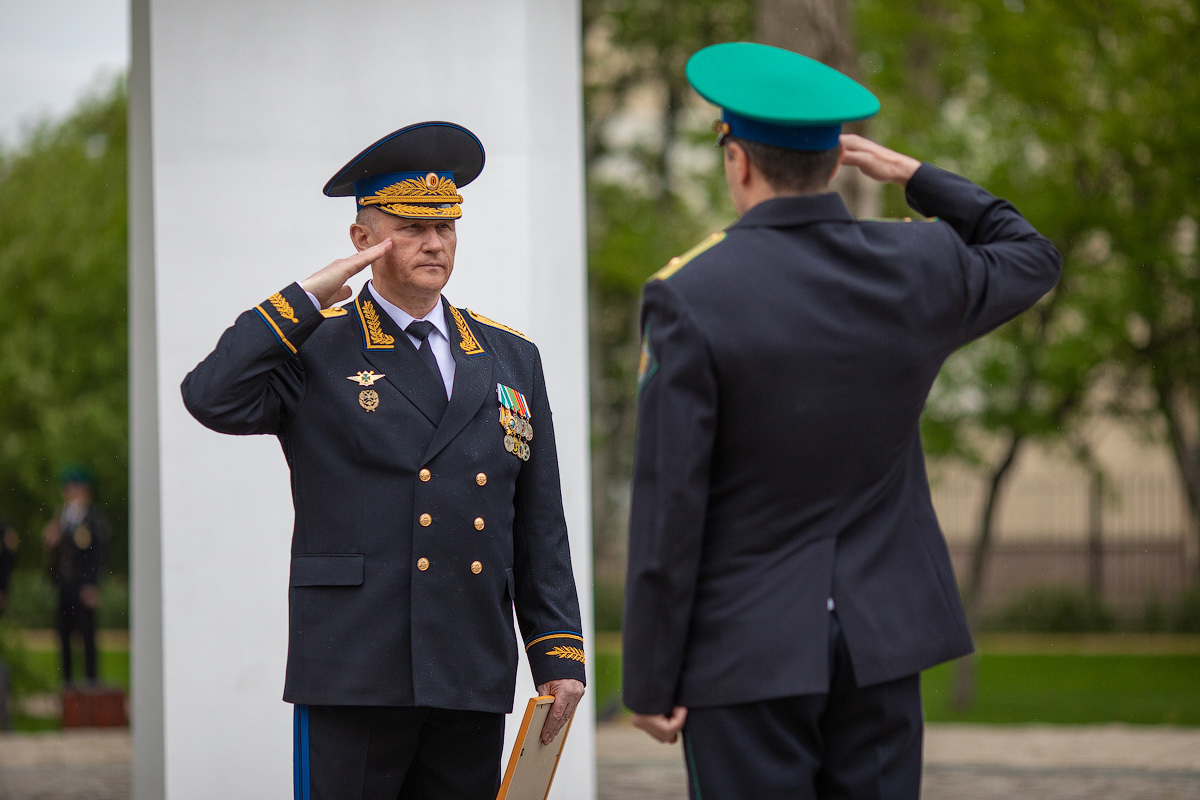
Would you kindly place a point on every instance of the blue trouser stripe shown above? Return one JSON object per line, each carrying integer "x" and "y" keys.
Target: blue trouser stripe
{"x": 304, "y": 770}
{"x": 300, "y": 770}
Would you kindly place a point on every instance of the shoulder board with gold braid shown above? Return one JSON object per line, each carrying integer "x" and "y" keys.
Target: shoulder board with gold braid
{"x": 677, "y": 263}
{"x": 334, "y": 311}
{"x": 897, "y": 219}
{"x": 494, "y": 324}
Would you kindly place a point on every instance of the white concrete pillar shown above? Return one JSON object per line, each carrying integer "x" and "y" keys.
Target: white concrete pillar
{"x": 240, "y": 111}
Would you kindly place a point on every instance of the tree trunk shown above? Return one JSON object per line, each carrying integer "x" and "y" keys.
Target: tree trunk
{"x": 987, "y": 527}
{"x": 822, "y": 30}
{"x": 963, "y": 688}
{"x": 1186, "y": 451}
{"x": 1096, "y": 534}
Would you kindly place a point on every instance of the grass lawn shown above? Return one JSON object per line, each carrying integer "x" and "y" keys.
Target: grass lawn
{"x": 40, "y": 661}
{"x": 113, "y": 668}
{"x": 1052, "y": 679}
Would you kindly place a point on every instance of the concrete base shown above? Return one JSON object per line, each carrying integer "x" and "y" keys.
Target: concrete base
{"x": 240, "y": 111}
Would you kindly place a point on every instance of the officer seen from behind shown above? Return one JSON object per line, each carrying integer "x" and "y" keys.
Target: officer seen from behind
{"x": 787, "y": 577}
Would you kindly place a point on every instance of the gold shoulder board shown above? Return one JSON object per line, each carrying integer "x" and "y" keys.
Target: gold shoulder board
{"x": 334, "y": 311}
{"x": 677, "y": 263}
{"x": 494, "y": 324}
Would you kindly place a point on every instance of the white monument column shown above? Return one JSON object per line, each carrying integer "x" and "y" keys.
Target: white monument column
{"x": 240, "y": 110}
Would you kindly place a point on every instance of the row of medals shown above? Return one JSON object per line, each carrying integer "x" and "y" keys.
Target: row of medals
{"x": 517, "y": 433}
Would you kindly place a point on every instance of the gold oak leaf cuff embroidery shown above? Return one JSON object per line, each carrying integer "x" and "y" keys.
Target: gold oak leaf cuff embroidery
{"x": 283, "y": 307}
{"x": 572, "y": 653}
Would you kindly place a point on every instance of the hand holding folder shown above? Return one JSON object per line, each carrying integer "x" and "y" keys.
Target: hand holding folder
{"x": 532, "y": 764}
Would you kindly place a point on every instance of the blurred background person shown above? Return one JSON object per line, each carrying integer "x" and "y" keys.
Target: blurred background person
{"x": 9, "y": 540}
{"x": 75, "y": 538}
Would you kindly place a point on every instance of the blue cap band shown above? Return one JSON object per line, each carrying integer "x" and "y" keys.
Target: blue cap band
{"x": 791, "y": 137}
{"x": 369, "y": 186}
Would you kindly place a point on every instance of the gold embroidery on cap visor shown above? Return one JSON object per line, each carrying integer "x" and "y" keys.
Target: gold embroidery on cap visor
{"x": 430, "y": 197}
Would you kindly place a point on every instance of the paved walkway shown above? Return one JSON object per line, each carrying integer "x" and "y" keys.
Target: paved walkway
{"x": 968, "y": 761}
{"x": 75, "y": 765}
{"x": 961, "y": 761}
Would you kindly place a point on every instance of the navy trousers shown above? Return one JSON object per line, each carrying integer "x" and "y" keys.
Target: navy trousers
{"x": 851, "y": 743}
{"x": 73, "y": 616}
{"x": 396, "y": 753}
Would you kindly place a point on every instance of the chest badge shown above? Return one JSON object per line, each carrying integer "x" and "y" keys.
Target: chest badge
{"x": 368, "y": 399}
{"x": 83, "y": 537}
{"x": 367, "y": 378}
{"x": 514, "y": 418}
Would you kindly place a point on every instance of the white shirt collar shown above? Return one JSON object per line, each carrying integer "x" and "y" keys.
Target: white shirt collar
{"x": 402, "y": 318}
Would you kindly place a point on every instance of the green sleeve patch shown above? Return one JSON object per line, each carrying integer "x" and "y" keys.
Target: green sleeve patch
{"x": 677, "y": 263}
{"x": 647, "y": 364}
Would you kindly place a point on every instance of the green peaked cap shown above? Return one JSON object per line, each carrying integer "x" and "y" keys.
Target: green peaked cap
{"x": 778, "y": 97}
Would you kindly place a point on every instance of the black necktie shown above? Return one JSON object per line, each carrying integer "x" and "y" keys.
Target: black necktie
{"x": 421, "y": 329}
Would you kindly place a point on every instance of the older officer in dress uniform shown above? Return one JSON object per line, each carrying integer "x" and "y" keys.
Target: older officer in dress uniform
{"x": 426, "y": 505}
{"x": 787, "y": 577}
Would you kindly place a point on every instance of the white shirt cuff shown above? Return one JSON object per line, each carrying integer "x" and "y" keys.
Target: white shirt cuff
{"x": 314, "y": 299}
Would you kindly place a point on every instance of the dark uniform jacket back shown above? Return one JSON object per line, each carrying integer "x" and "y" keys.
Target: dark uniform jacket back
{"x": 779, "y": 462}
{"x": 415, "y": 532}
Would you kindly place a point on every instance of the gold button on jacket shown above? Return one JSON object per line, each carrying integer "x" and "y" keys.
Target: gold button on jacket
{"x": 479, "y": 523}
{"x": 387, "y": 608}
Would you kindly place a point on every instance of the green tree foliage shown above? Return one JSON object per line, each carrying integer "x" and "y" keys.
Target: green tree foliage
{"x": 1083, "y": 114}
{"x": 654, "y": 189}
{"x": 63, "y": 370}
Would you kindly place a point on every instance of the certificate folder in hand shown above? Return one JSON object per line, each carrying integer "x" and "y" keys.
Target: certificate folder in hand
{"x": 532, "y": 764}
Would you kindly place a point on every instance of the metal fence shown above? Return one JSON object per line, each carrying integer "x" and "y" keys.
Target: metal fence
{"x": 1130, "y": 536}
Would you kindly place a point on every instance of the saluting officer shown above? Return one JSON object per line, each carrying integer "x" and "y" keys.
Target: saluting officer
{"x": 787, "y": 577}
{"x": 426, "y": 489}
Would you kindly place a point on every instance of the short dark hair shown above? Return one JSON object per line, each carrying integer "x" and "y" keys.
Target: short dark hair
{"x": 790, "y": 170}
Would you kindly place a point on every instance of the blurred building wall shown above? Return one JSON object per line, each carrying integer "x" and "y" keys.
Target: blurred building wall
{"x": 1046, "y": 516}
{"x": 241, "y": 111}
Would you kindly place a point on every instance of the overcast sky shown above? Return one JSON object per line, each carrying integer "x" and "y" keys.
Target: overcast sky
{"x": 52, "y": 52}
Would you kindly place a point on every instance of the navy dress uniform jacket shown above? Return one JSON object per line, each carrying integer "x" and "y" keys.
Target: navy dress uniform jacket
{"x": 779, "y": 461}
{"x": 9, "y": 542}
{"x": 76, "y": 560}
{"x": 415, "y": 532}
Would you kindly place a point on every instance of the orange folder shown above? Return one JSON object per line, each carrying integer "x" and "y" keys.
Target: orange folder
{"x": 531, "y": 765}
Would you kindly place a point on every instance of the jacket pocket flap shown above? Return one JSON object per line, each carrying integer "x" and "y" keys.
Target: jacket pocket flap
{"x": 327, "y": 570}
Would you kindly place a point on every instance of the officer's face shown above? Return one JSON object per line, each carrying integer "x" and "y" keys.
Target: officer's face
{"x": 422, "y": 254}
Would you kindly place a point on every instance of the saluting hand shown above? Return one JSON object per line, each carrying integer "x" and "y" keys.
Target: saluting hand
{"x": 876, "y": 161}
{"x": 329, "y": 284}
{"x": 664, "y": 727}
{"x": 566, "y": 693}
